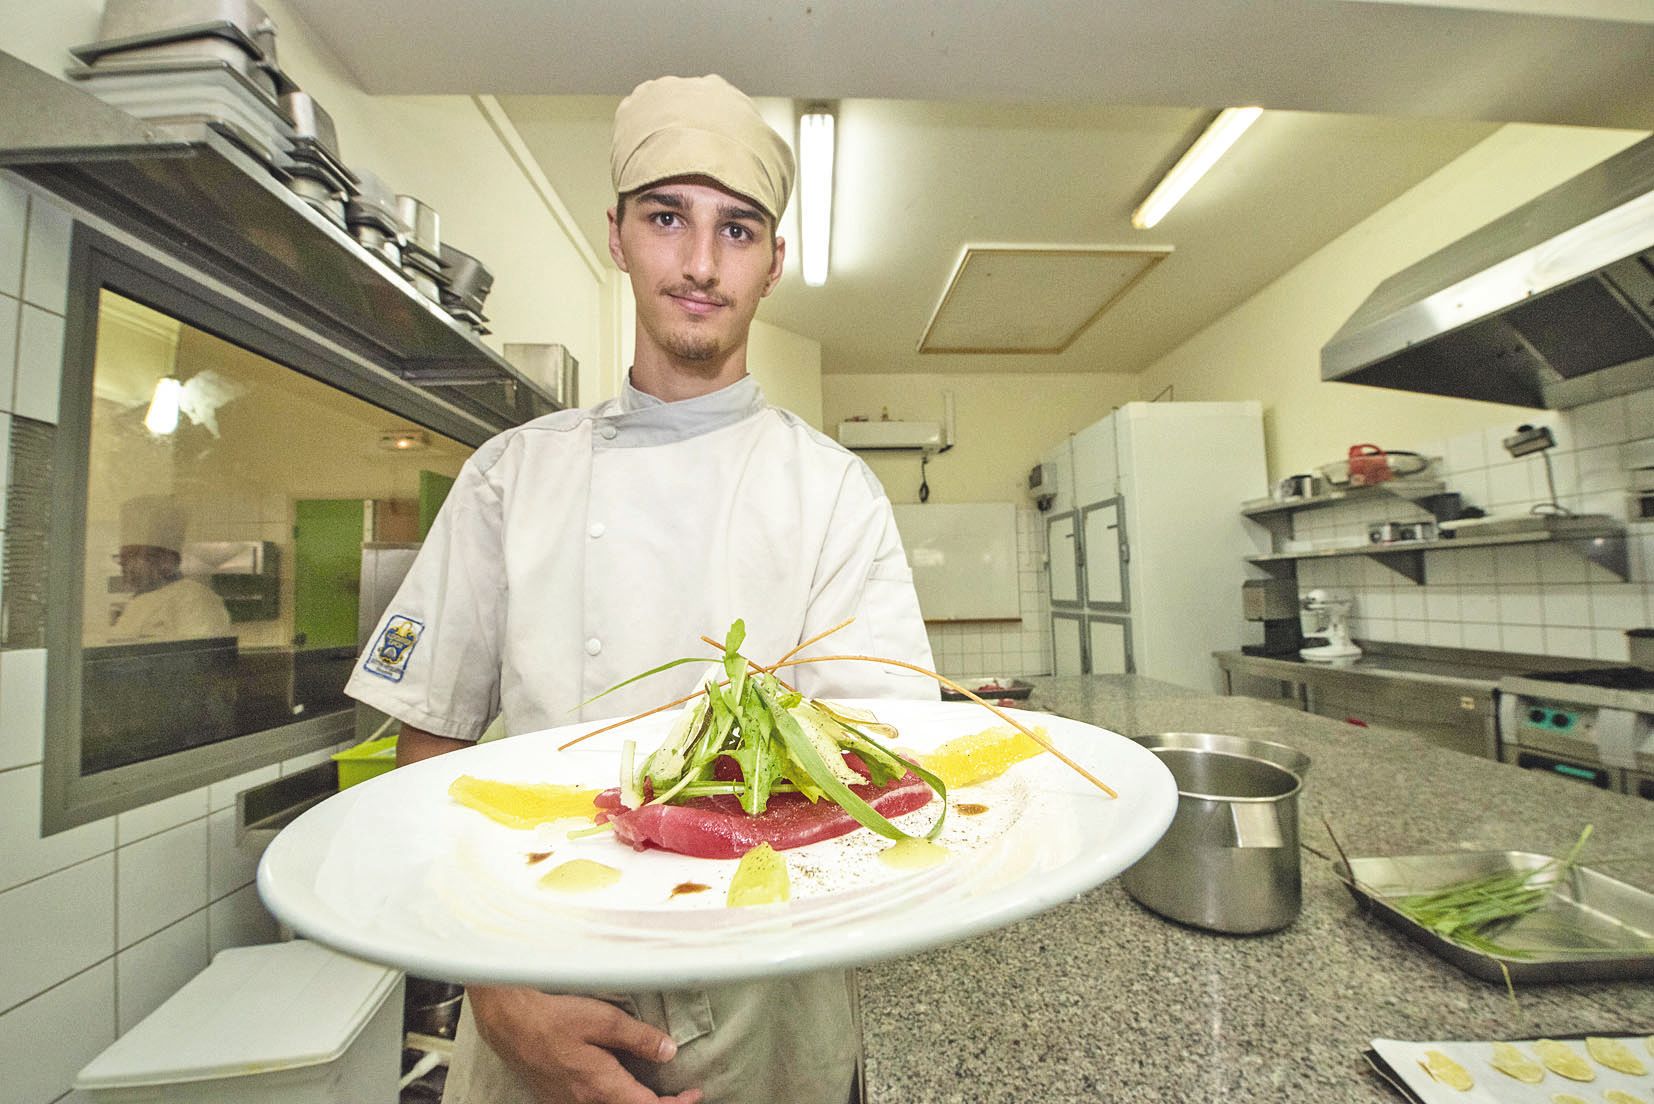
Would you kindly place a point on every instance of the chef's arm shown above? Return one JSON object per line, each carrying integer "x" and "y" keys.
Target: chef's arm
{"x": 563, "y": 1047}
{"x": 415, "y": 744}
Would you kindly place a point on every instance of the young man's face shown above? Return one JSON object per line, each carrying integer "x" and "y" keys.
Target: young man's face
{"x": 700, "y": 259}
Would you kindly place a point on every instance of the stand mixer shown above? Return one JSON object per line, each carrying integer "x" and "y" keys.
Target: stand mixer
{"x": 1327, "y": 615}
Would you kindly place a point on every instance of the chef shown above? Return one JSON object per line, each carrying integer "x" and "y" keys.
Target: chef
{"x": 586, "y": 546}
{"x": 164, "y": 604}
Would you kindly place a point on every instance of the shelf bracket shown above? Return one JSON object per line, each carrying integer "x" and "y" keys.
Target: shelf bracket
{"x": 1405, "y": 563}
{"x": 1609, "y": 553}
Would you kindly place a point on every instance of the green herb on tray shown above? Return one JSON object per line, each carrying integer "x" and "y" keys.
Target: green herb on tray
{"x": 1472, "y": 913}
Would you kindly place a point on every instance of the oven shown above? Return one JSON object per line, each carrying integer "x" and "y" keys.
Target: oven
{"x": 1594, "y": 726}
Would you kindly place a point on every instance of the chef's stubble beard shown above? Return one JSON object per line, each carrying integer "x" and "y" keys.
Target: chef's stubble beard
{"x": 698, "y": 353}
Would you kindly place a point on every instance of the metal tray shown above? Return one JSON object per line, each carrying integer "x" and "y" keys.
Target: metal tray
{"x": 1607, "y": 925}
{"x": 1008, "y": 688}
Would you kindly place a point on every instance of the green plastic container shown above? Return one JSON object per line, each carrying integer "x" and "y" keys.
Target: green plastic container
{"x": 365, "y": 761}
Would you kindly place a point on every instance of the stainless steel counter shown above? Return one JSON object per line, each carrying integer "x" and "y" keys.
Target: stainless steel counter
{"x": 1445, "y": 695}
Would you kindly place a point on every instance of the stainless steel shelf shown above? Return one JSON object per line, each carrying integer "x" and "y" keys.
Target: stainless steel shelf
{"x": 1603, "y": 545}
{"x": 1413, "y": 490}
{"x": 192, "y": 192}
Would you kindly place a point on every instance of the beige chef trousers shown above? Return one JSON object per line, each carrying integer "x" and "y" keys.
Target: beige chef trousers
{"x": 795, "y": 1039}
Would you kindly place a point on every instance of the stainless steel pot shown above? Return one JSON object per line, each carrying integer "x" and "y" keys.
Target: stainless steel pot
{"x": 1288, "y": 758}
{"x": 1229, "y": 861}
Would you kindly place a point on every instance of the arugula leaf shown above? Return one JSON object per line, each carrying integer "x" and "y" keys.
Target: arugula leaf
{"x": 636, "y": 678}
{"x": 802, "y": 750}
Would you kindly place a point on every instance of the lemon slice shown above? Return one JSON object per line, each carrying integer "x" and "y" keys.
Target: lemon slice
{"x": 1511, "y": 1062}
{"x": 974, "y": 759}
{"x": 913, "y": 854}
{"x": 1614, "y": 1054}
{"x": 1447, "y": 1071}
{"x": 1618, "y": 1096}
{"x": 760, "y": 879}
{"x": 522, "y": 806}
{"x": 580, "y": 876}
{"x": 1560, "y": 1058}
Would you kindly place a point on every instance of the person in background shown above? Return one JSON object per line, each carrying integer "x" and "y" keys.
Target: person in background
{"x": 165, "y": 605}
{"x": 589, "y": 545}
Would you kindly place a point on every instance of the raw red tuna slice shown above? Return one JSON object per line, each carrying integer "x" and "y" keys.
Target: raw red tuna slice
{"x": 718, "y": 828}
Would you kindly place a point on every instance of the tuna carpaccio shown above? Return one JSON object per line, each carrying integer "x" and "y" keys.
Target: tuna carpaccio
{"x": 718, "y": 828}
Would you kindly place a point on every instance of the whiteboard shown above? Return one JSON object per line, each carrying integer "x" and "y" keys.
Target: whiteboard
{"x": 964, "y": 559}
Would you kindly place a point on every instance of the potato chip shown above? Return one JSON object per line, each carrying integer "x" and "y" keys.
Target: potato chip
{"x": 1511, "y": 1062}
{"x": 1560, "y": 1058}
{"x": 1568, "y": 1098}
{"x": 1447, "y": 1071}
{"x": 1616, "y": 1096}
{"x": 1614, "y": 1054}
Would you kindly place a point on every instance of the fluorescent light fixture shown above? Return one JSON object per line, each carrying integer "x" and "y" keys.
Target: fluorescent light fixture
{"x": 815, "y": 192}
{"x": 1213, "y": 143}
{"x": 163, "y": 406}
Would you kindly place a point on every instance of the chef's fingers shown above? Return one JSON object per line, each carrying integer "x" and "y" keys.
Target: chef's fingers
{"x": 693, "y": 1096}
{"x": 615, "y": 1030}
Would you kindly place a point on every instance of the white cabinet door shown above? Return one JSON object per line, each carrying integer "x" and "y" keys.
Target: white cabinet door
{"x": 1063, "y": 556}
{"x": 1068, "y": 645}
{"x": 1103, "y": 545}
{"x": 1110, "y": 642}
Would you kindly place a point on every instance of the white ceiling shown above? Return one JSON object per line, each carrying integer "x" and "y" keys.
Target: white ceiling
{"x": 987, "y": 122}
{"x": 918, "y": 181}
{"x": 1449, "y": 61}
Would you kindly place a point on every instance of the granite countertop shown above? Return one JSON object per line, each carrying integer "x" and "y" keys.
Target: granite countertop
{"x": 1099, "y": 999}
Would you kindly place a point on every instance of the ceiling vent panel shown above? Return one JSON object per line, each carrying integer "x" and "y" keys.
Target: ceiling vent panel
{"x": 1032, "y": 298}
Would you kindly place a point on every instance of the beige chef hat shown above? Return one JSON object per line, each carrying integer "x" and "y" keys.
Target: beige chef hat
{"x": 152, "y": 521}
{"x": 699, "y": 126}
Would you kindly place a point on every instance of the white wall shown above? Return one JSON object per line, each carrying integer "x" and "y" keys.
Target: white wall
{"x": 788, "y": 367}
{"x": 1004, "y": 424}
{"x": 1268, "y": 348}
{"x": 1545, "y": 600}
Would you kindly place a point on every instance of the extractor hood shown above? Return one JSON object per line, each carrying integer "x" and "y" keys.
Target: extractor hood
{"x": 1551, "y": 305}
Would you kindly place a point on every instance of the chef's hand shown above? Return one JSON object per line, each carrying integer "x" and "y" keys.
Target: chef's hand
{"x": 561, "y": 1046}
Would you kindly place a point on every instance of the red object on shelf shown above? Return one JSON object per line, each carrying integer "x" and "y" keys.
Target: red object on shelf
{"x": 1369, "y": 465}
{"x": 1357, "y": 721}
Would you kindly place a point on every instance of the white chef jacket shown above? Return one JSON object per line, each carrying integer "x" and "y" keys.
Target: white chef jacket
{"x": 586, "y": 546}
{"x": 183, "y": 609}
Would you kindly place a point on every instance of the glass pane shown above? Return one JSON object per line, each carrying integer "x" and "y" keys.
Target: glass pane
{"x": 227, "y": 504}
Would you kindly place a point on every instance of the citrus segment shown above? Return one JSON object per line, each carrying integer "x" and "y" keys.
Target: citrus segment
{"x": 973, "y": 759}
{"x": 522, "y": 806}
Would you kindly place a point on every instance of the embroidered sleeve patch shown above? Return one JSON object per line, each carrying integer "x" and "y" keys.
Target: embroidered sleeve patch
{"x": 388, "y": 658}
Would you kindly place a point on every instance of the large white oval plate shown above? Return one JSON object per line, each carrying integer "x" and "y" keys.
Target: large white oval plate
{"x": 395, "y": 872}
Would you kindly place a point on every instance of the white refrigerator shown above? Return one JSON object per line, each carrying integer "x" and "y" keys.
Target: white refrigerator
{"x": 1145, "y": 540}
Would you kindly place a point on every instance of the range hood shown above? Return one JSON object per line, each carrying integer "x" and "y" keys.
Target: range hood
{"x": 1551, "y": 305}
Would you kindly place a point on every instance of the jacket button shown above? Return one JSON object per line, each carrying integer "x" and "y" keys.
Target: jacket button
{"x": 597, "y": 529}
{"x": 608, "y": 432}
{"x": 593, "y": 646}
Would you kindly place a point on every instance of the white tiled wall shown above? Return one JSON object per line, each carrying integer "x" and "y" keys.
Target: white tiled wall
{"x": 103, "y": 922}
{"x": 973, "y": 649}
{"x": 1544, "y": 600}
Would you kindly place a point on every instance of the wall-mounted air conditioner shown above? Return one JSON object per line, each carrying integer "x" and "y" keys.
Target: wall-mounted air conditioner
{"x": 889, "y": 436}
